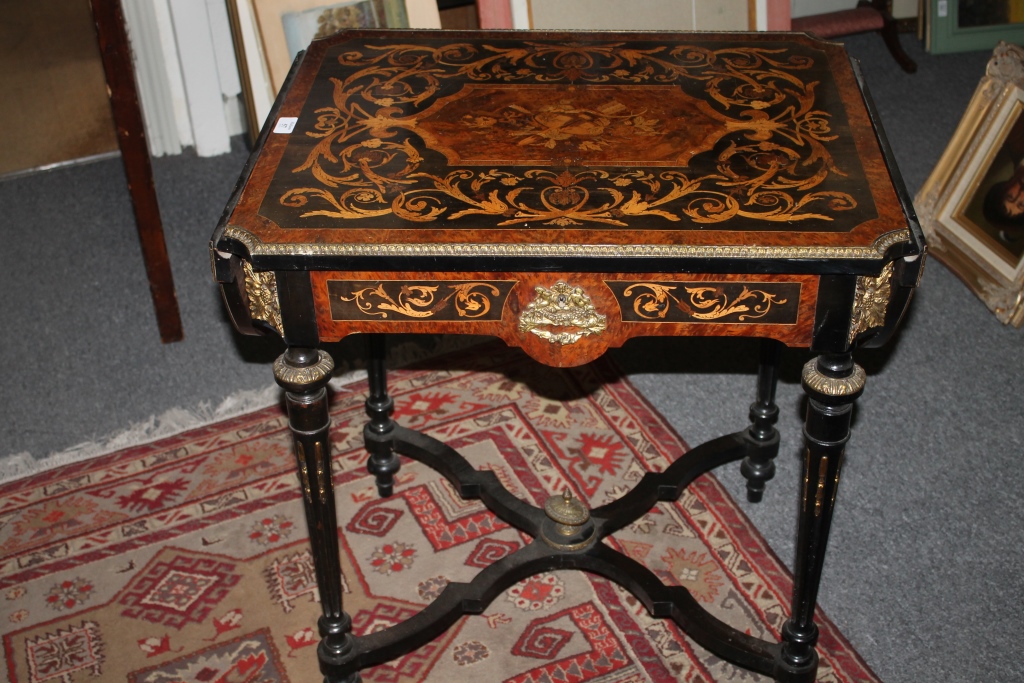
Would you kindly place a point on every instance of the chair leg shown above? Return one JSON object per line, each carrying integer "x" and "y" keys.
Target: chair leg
{"x": 890, "y": 33}
{"x": 891, "y": 36}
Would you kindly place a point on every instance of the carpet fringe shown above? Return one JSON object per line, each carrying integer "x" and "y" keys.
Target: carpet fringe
{"x": 178, "y": 420}
{"x": 170, "y": 422}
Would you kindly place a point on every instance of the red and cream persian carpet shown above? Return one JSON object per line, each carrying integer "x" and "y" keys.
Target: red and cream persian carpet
{"x": 186, "y": 560}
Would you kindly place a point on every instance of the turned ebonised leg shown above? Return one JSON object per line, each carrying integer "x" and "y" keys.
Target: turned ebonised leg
{"x": 832, "y": 382}
{"x": 304, "y": 374}
{"x": 763, "y": 439}
{"x": 379, "y": 431}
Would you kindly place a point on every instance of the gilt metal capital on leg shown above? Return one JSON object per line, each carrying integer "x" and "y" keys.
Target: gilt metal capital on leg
{"x": 303, "y": 371}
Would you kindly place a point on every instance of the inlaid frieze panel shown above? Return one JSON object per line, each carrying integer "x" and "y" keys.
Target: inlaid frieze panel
{"x": 766, "y": 303}
{"x": 405, "y": 300}
{"x": 566, "y": 318}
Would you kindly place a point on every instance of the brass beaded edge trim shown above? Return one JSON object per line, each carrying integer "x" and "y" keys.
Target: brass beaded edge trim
{"x": 817, "y": 381}
{"x": 257, "y": 247}
{"x": 310, "y": 374}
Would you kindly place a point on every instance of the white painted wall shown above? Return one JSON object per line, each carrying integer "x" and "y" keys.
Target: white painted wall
{"x": 159, "y": 97}
{"x": 198, "y": 54}
{"x": 185, "y": 68}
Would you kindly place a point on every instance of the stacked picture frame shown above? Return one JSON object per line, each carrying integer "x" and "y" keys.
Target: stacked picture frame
{"x": 972, "y": 205}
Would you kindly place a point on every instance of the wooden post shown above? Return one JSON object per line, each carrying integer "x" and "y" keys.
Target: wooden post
{"x": 131, "y": 136}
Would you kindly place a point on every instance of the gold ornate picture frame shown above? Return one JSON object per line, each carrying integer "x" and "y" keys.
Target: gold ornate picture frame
{"x": 972, "y": 205}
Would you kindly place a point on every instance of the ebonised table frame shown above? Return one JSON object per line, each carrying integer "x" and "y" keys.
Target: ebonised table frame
{"x": 850, "y": 294}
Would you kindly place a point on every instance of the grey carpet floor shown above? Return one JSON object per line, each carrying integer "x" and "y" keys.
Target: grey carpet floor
{"x": 923, "y": 569}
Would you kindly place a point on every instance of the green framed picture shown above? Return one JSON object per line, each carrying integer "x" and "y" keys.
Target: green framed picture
{"x": 962, "y": 25}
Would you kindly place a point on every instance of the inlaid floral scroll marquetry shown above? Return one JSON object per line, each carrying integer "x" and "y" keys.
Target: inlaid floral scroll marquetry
{"x": 734, "y": 302}
{"x": 542, "y": 133}
{"x": 406, "y": 300}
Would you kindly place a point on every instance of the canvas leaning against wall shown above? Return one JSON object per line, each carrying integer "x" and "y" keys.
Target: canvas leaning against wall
{"x": 972, "y": 206}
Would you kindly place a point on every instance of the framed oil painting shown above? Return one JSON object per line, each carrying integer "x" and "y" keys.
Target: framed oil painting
{"x": 972, "y": 206}
{"x": 268, "y": 34}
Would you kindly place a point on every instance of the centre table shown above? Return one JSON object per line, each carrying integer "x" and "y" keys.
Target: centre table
{"x": 567, "y": 191}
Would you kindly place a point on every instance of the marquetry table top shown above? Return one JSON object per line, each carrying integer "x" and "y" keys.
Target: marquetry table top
{"x": 537, "y": 146}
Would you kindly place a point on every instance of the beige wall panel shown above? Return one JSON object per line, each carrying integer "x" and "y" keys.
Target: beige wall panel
{"x": 615, "y": 15}
{"x": 901, "y": 9}
{"x": 723, "y": 15}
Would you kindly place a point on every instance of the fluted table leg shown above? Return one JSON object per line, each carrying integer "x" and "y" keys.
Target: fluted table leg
{"x": 304, "y": 374}
{"x": 832, "y": 383}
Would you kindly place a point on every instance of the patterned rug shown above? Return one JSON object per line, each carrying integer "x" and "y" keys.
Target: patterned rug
{"x": 186, "y": 561}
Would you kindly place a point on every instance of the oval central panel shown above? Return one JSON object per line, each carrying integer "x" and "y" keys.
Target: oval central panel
{"x": 593, "y": 125}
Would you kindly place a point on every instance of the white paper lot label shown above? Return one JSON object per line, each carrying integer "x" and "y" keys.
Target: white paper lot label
{"x": 286, "y": 124}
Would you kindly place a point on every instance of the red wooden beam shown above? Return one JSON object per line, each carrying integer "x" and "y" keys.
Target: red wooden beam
{"x": 778, "y": 12}
{"x": 131, "y": 136}
{"x": 494, "y": 13}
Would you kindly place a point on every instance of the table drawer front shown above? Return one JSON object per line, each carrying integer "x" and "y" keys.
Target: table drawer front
{"x": 697, "y": 301}
{"x": 566, "y": 318}
{"x": 418, "y": 300}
